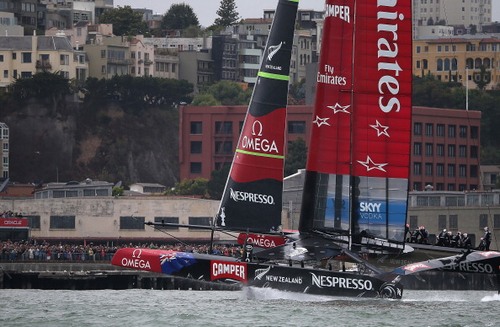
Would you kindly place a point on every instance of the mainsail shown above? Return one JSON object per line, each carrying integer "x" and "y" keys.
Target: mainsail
{"x": 252, "y": 198}
{"x": 358, "y": 165}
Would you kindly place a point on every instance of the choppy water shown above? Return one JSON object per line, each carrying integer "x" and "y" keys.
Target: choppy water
{"x": 250, "y": 307}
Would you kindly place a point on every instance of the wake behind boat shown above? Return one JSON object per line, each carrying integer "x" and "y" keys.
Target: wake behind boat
{"x": 356, "y": 188}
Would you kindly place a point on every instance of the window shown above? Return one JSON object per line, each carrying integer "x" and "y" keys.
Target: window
{"x": 223, "y": 127}
{"x": 429, "y": 149}
{"x": 1, "y": 58}
{"x": 62, "y": 222}
{"x": 196, "y": 127}
{"x": 195, "y": 168}
{"x": 451, "y": 131}
{"x": 451, "y": 150}
{"x": 132, "y": 222}
{"x": 417, "y": 169}
{"x": 462, "y": 170}
{"x": 440, "y": 130}
{"x": 417, "y": 148}
{"x": 428, "y": 169}
{"x": 440, "y": 169}
{"x": 429, "y": 129}
{"x": 64, "y": 59}
{"x": 417, "y": 128}
{"x": 453, "y": 221}
{"x": 103, "y": 53}
{"x": 462, "y": 151}
{"x": 462, "y": 131}
{"x": 297, "y": 127}
{"x": 496, "y": 221}
{"x": 33, "y": 221}
{"x": 196, "y": 146}
{"x": 441, "y": 222}
{"x": 451, "y": 170}
{"x": 200, "y": 221}
{"x": 224, "y": 147}
{"x": 440, "y": 150}
{"x": 171, "y": 220}
{"x": 483, "y": 220}
{"x": 25, "y": 57}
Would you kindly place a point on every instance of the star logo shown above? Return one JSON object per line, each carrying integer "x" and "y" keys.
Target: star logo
{"x": 381, "y": 129}
{"x": 338, "y": 108}
{"x": 321, "y": 121}
{"x": 370, "y": 165}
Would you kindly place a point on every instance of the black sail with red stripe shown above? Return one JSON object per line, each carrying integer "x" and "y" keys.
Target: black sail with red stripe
{"x": 358, "y": 164}
{"x": 252, "y": 198}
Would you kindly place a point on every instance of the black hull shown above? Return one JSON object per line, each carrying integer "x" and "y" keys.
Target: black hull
{"x": 293, "y": 278}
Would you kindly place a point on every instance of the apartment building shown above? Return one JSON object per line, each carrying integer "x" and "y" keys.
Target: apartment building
{"x": 23, "y": 56}
{"x": 467, "y": 59}
{"x": 452, "y": 12}
{"x": 109, "y": 57}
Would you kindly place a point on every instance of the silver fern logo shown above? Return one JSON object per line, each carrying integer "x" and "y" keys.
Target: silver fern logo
{"x": 273, "y": 49}
{"x": 259, "y": 273}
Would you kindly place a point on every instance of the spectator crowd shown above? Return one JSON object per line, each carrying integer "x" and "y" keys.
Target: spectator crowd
{"x": 45, "y": 251}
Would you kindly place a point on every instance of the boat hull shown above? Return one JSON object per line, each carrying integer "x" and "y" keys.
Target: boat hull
{"x": 295, "y": 278}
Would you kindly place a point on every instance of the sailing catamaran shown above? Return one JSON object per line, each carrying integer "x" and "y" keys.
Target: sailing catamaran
{"x": 356, "y": 187}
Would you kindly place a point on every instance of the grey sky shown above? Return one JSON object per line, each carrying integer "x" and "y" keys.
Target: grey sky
{"x": 205, "y": 9}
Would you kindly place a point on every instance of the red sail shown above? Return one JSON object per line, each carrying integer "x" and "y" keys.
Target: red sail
{"x": 358, "y": 165}
{"x": 364, "y": 75}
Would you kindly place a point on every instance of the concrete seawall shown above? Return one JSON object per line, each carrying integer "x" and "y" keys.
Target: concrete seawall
{"x": 86, "y": 276}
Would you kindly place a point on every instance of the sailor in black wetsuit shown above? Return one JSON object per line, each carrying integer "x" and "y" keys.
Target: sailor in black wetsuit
{"x": 485, "y": 240}
{"x": 442, "y": 238}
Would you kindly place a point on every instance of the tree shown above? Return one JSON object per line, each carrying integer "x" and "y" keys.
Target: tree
{"x": 197, "y": 186}
{"x": 217, "y": 182}
{"x": 227, "y": 14}
{"x": 204, "y": 99}
{"x": 296, "y": 157}
{"x": 125, "y": 21}
{"x": 179, "y": 17}
{"x": 46, "y": 86}
{"x": 229, "y": 93}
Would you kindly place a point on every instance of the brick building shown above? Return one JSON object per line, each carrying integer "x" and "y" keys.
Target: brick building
{"x": 444, "y": 154}
{"x": 208, "y": 136}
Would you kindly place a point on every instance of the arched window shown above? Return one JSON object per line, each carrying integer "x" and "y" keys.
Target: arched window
{"x": 447, "y": 64}
{"x": 469, "y": 63}
{"x": 439, "y": 67}
{"x": 487, "y": 63}
{"x": 454, "y": 64}
{"x": 477, "y": 63}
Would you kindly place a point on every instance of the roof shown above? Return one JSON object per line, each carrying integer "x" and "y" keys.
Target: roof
{"x": 53, "y": 43}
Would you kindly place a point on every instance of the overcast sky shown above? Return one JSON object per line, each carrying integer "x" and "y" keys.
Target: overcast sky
{"x": 205, "y": 9}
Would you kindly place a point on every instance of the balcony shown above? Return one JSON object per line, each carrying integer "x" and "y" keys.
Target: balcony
{"x": 43, "y": 64}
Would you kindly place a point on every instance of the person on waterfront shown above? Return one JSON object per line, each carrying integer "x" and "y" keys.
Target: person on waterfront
{"x": 485, "y": 240}
{"x": 466, "y": 242}
{"x": 442, "y": 238}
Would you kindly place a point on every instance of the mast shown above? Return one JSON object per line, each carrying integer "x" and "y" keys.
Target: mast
{"x": 252, "y": 199}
